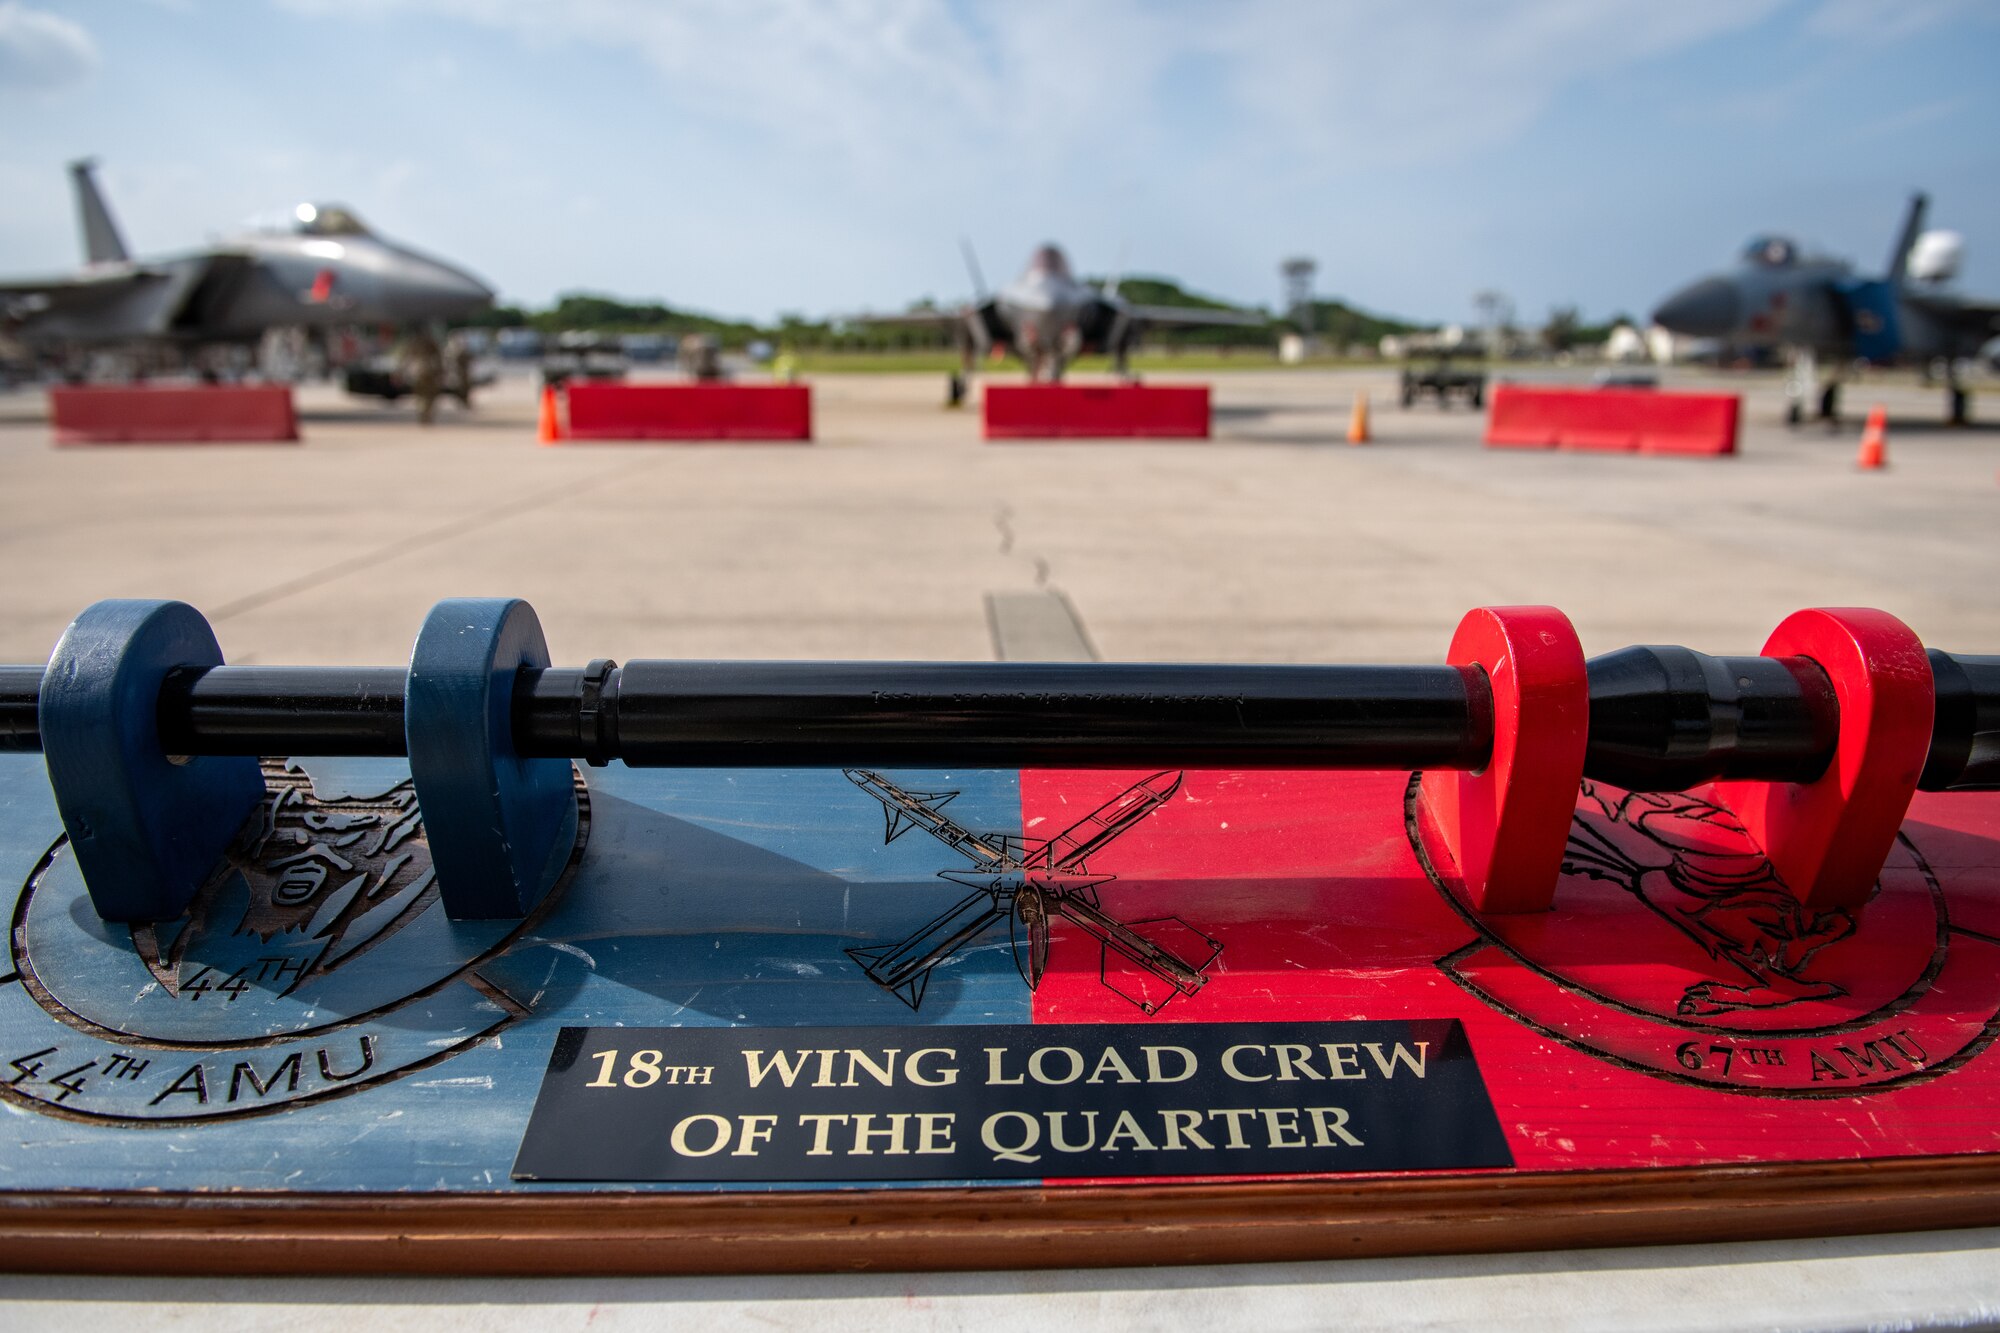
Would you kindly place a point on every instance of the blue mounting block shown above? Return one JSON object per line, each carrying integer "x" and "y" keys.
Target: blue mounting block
{"x": 146, "y": 829}
{"x": 501, "y": 827}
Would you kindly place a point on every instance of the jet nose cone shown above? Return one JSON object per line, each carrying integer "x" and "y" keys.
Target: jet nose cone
{"x": 1710, "y": 308}
{"x": 458, "y": 291}
{"x": 417, "y": 286}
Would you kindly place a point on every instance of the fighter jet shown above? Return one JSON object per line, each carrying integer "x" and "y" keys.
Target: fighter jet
{"x": 320, "y": 268}
{"x": 1048, "y": 318}
{"x": 1820, "y": 312}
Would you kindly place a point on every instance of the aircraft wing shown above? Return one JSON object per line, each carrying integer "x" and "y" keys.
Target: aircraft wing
{"x": 1196, "y": 315}
{"x": 914, "y": 319}
{"x": 54, "y": 288}
{"x": 116, "y": 302}
{"x": 1971, "y": 317}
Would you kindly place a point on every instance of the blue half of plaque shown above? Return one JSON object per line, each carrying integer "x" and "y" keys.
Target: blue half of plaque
{"x": 316, "y": 1022}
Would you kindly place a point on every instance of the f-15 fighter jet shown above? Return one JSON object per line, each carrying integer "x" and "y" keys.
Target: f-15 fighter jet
{"x": 321, "y": 268}
{"x": 1025, "y": 882}
{"x": 1821, "y": 312}
{"x": 1048, "y": 318}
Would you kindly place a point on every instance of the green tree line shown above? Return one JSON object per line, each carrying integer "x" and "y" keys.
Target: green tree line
{"x": 1338, "y": 323}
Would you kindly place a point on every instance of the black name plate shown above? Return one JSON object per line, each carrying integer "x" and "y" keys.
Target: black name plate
{"x": 1009, "y": 1103}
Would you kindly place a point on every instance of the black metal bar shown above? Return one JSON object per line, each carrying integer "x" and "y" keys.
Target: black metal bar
{"x": 283, "y": 710}
{"x": 1965, "y": 739}
{"x": 845, "y": 713}
{"x": 1668, "y": 718}
{"x": 933, "y": 715}
{"x": 1660, "y": 718}
{"x": 20, "y": 702}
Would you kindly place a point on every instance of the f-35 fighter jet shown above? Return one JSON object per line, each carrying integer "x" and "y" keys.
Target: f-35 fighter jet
{"x": 1048, "y": 318}
{"x": 1821, "y": 312}
{"x": 322, "y": 268}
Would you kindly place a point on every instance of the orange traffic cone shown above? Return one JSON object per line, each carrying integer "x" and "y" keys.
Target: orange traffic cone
{"x": 1357, "y": 425}
{"x": 1874, "y": 441}
{"x": 549, "y": 429}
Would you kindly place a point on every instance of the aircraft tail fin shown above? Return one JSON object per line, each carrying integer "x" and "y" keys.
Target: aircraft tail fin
{"x": 972, "y": 267}
{"x": 1117, "y": 275}
{"x": 1913, "y": 227}
{"x": 101, "y": 242}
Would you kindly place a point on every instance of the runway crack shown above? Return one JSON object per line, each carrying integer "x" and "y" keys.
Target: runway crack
{"x": 382, "y": 555}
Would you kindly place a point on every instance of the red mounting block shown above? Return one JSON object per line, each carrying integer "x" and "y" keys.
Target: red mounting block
{"x": 1095, "y": 411}
{"x": 1506, "y": 825}
{"x": 1829, "y": 838}
{"x": 173, "y": 414}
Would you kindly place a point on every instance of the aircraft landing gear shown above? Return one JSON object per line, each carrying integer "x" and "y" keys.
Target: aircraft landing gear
{"x": 973, "y": 346}
{"x": 1801, "y": 385}
{"x": 1960, "y": 404}
{"x": 1119, "y": 344}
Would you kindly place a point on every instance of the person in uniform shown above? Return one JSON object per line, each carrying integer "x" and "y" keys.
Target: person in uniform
{"x": 458, "y": 368}
{"x": 421, "y": 366}
{"x": 698, "y": 357}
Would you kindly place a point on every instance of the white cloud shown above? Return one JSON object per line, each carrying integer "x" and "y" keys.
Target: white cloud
{"x": 42, "y": 52}
{"x": 1429, "y": 82}
{"x": 1895, "y": 123}
{"x": 886, "y": 84}
{"x": 1886, "y": 20}
{"x": 1201, "y": 134}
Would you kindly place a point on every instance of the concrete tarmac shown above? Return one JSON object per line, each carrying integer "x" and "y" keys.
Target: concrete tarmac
{"x": 892, "y": 536}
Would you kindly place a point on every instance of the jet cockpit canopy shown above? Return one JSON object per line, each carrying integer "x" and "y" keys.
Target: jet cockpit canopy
{"x": 1771, "y": 252}
{"x": 327, "y": 220}
{"x": 310, "y": 220}
{"x": 1049, "y": 259}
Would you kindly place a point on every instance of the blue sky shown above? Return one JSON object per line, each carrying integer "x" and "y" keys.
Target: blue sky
{"x": 755, "y": 156}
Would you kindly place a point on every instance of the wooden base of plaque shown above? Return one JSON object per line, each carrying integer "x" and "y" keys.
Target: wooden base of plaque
{"x": 945, "y": 1229}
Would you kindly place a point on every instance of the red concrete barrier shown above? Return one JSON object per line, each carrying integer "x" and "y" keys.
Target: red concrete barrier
{"x": 610, "y": 411}
{"x": 173, "y": 414}
{"x": 1095, "y": 411}
{"x": 1643, "y": 421}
